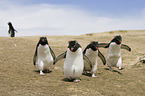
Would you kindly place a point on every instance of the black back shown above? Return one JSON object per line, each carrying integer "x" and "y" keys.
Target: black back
{"x": 116, "y": 39}
{"x": 11, "y": 26}
{"x": 11, "y": 29}
{"x": 73, "y": 46}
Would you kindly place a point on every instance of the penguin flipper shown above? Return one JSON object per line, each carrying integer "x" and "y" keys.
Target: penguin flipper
{"x": 52, "y": 53}
{"x": 102, "y": 57}
{"x": 34, "y": 58}
{"x": 61, "y": 56}
{"x": 123, "y": 46}
{"x": 85, "y": 49}
{"x": 104, "y": 45}
{"x": 35, "y": 54}
{"x": 87, "y": 60}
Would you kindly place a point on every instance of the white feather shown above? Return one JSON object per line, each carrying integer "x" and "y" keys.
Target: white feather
{"x": 114, "y": 55}
{"x": 44, "y": 57}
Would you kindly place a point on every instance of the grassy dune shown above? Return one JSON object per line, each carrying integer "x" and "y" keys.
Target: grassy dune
{"x": 18, "y": 76}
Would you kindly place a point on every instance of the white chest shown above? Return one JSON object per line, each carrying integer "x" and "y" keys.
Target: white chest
{"x": 44, "y": 52}
{"x": 114, "y": 50}
{"x": 74, "y": 59}
{"x": 92, "y": 55}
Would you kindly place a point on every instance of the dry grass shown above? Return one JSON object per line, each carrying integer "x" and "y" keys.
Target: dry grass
{"x": 18, "y": 76}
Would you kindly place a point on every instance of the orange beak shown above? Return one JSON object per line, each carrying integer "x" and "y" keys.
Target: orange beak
{"x": 72, "y": 49}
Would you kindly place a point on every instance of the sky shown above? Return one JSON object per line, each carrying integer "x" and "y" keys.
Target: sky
{"x": 70, "y": 17}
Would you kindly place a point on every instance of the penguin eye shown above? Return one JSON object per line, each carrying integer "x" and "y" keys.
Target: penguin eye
{"x": 94, "y": 45}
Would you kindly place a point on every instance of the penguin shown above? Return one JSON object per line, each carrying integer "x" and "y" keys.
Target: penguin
{"x": 92, "y": 52}
{"x": 114, "y": 52}
{"x": 74, "y": 64}
{"x": 11, "y": 30}
{"x": 44, "y": 55}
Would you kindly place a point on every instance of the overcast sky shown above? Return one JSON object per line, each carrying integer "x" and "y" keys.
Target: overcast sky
{"x": 71, "y": 17}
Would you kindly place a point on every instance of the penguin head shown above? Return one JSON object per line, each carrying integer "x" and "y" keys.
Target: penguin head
{"x": 117, "y": 40}
{"x": 94, "y": 46}
{"x": 73, "y": 46}
{"x": 9, "y": 23}
{"x": 43, "y": 41}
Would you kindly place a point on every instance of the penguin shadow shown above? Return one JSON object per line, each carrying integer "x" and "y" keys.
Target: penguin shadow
{"x": 115, "y": 70}
{"x": 87, "y": 74}
{"x": 68, "y": 80}
{"x": 44, "y": 71}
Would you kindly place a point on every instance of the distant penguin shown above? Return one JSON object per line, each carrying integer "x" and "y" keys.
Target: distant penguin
{"x": 44, "y": 55}
{"x": 74, "y": 64}
{"x": 92, "y": 52}
{"x": 114, "y": 52}
{"x": 11, "y": 30}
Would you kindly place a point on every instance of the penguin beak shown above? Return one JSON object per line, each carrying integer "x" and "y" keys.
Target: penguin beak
{"x": 72, "y": 49}
{"x": 120, "y": 42}
{"x": 43, "y": 40}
